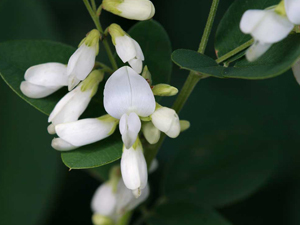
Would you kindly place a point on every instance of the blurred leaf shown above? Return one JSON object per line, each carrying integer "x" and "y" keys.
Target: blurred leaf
{"x": 18, "y": 20}
{"x": 178, "y": 213}
{"x": 156, "y": 47}
{"x": 229, "y": 35}
{"x": 30, "y": 171}
{"x": 275, "y": 62}
{"x": 227, "y": 166}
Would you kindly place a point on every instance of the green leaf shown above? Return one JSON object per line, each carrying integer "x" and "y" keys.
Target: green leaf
{"x": 274, "y": 62}
{"x": 225, "y": 167}
{"x": 229, "y": 35}
{"x": 156, "y": 47}
{"x": 197, "y": 62}
{"x": 178, "y": 213}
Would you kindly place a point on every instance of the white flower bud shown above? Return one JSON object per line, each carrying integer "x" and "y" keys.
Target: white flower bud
{"x": 292, "y": 8}
{"x": 104, "y": 201}
{"x": 184, "y": 125}
{"x": 151, "y": 133}
{"x": 164, "y": 90}
{"x": 44, "y": 79}
{"x": 73, "y": 104}
{"x": 86, "y": 131}
{"x": 266, "y": 27}
{"x": 134, "y": 168}
{"x": 82, "y": 61}
{"x": 62, "y": 145}
{"x": 127, "y": 48}
{"x": 147, "y": 75}
{"x": 130, "y": 9}
{"x": 167, "y": 121}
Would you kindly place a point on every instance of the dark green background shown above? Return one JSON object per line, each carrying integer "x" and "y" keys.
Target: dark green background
{"x": 32, "y": 173}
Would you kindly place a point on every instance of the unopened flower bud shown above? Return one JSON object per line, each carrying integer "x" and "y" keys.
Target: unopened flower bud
{"x": 164, "y": 90}
{"x": 130, "y": 9}
{"x": 127, "y": 48}
{"x": 184, "y": 125}
{"x": 82, "y": 61}
{"x": 167, "y": 121}
{"x": 147, "y": 75}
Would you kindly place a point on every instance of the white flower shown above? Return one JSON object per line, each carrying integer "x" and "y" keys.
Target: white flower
{"x": 292, "y": 8}
{"x": 167, "y": 121}
{"x": 104, "y": 201}
{"x": 44, "y": 79}
{"x": 130, "y": 9}
{"x": 126, "y": 201}
{"x": 127, "y": 48}
{"x": 73, "y": 104}
{"x": 296, "y": 71}
{"x": 82, "y": 61}
{"x": 134, "y": 168}
{"x": 83, "y": 132}
{"x": 127, "y": 95}
{"x": 266, "y": 27}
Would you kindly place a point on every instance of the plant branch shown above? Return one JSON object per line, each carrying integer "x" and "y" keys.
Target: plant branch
{"x": 104, "y": 40}
{"x": 94, "y": 5}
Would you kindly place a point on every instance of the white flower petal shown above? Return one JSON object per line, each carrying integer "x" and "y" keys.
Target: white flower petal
{"x": 296, "y": 71}
{"x": 292, "y": 8}
{"x": 136, "y": 9}
{"x": 51, "y": 129}
{"x": 251, "y": 19}
{"x": 104, "y": 201}
{"x": 257, "y": 50}
{"x": 61, "y": 145}
{"x": 48, "y": 75}
{"x": 136, "y": 65}
{"x": 130, "y": 126}
{"x": 71, "y": 106}
{"x": 84, "y": 132}
{"x": 134, "y": 168}
{"x": 174, "y": 130}
{"x": 125, "y": 92}
{"x": 272, "y": 28}
{"x": 81, "y": 64}
{"x": 139, "y": 52}
{"x": 37, "y": 91}
{"x": 151, "y": 133}
{"x": 125, "y": 48}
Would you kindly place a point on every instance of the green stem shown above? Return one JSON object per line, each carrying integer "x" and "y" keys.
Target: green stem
{"x": 235, "y": 51}
{"x": 208, "y": 27}
{"x": 125, "y": 219}
{"x": 94, "y": 5}
{"x": 104, "y": 67}
{"x": 191, "y": 81}
{"x": 99, "y": 28}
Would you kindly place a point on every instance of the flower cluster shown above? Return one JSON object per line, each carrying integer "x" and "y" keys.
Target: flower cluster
{"x": 269, "y": 26}
{"x": 129, "y": 100}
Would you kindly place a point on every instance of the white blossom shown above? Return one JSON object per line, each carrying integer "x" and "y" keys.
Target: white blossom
{"x": 44, "y": 79}
{"x": 292, "y": 8}
{"x": 151, "y": 133}
{"x": 127, "y": 48}
{"x": 266, "y": 27}
{"x": 130, "y": 9}
{"x": 73, "y": 104}
{"x": 83, "y": 132}
{"x": 134, "y": 168}
{"x": 82, "y": 61}
{"x": 128, "y": 96}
